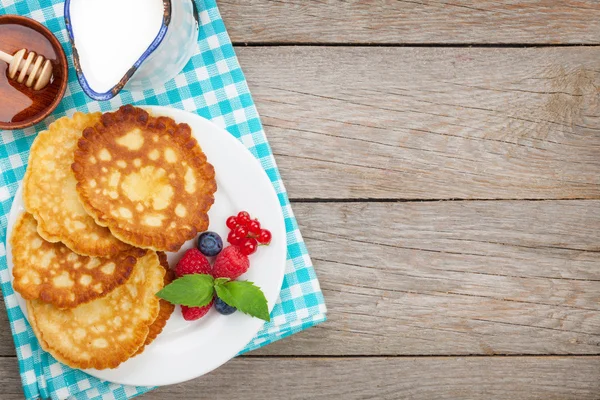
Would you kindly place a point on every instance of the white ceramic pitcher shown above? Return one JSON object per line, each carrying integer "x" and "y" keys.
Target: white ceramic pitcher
{"x": 173, "y": 46}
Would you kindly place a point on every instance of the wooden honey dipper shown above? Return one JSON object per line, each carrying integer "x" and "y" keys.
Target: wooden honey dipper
{"x": 38, "y": 72}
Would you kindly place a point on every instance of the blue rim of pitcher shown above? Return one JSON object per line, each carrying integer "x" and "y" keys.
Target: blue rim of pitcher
{"x": 116, "y": 88}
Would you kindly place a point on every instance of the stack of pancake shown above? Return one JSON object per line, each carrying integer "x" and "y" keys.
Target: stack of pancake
{"x": 105, "y": 195}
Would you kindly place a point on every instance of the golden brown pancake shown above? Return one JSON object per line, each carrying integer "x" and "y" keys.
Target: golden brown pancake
{"x": 107, "y": 331}
{"x": 49, "y": 191}
{"x": 55, "y": 274}
{"x": 166, "y": 308}
{"x": 36, "y": 331}
{"x": 144, "y": 178}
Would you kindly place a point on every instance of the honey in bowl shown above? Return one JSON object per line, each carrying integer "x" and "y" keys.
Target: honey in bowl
{"x": 21, "y": 106}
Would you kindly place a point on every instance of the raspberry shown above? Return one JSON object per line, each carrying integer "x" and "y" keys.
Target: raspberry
{"x": 230, "y": 263}
{"x": 194, "y": 313}
{"x": 193, "y": 262}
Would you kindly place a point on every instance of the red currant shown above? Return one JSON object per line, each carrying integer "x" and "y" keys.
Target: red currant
{"x": 264, "y": 237}
{"x": 254, "y": 228}
{"x": 241, "y": 231}
{"x": 233, "y": 238}
{"x": 231, "y": 222}
{"x": 248, "y": 246}
{"x": 243, "y": 218}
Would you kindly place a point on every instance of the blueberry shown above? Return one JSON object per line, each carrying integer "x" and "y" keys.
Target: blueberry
{"x": 224, "y": 308}
{"x": 210, "y": 244}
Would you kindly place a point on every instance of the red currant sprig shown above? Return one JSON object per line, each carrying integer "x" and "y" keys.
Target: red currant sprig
{"x": 246, "y": 233}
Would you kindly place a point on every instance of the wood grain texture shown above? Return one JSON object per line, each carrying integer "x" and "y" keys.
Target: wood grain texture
{"x": 412, "y": 21}
{"x": 517, "y": 378}
{"x": 406, "y": 282}
{"x": 453, "y": 278}
{"x": 7, "y": 346}
{"x": 431, "y": 123}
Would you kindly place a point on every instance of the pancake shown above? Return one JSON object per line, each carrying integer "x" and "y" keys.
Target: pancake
{"x": 166, "y": 308}
{"x": 107, "y": 331}
{"x": 36, "y": 331}
{"x": 38, "y": 334}
{"x": 49, "y": 191}
{"x": 144, "y": 178}
{"x": 55, "y": 274}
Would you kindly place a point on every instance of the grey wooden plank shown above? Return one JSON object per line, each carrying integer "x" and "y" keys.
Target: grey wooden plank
{"x": 454, "y": 278}
{"x": 7, "y": 346}
{"x": 499, "y": 277}
{"x": 517, "y": 378}
{"x": 10, "y": 382}
{"x": 431, "y": 123}
{"x": 410, "y": 22}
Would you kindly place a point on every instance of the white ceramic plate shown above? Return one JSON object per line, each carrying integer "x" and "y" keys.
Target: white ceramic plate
{"x": 186, "y": 350}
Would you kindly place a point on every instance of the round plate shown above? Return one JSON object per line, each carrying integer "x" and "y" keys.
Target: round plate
{"x": 186, "y": 350}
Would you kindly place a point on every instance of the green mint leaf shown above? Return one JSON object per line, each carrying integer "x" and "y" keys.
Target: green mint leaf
{"x": 224, "y": 294}
{"x": 246, "y": 297}
{"x": 220, "y": 281}
{"x": 195, "y": 290}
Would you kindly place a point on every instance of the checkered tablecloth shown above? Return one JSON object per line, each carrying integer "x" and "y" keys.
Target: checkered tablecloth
{"x": 212, "y": 85}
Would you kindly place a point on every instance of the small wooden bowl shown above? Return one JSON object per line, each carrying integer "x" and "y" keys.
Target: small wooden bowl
{"x": 20, "y": 106}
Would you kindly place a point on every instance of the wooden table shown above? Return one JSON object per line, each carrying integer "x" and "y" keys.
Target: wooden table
{"x": 443, "y": 158}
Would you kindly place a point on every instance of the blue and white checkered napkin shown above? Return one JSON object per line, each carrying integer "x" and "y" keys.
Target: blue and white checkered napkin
{"x": 212, "y": 85}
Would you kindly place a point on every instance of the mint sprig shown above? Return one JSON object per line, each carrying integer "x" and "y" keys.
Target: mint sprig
{"x": 220, "y": 281}
{"x": 197, "y": 290}
{"x": 244, "y": 296}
